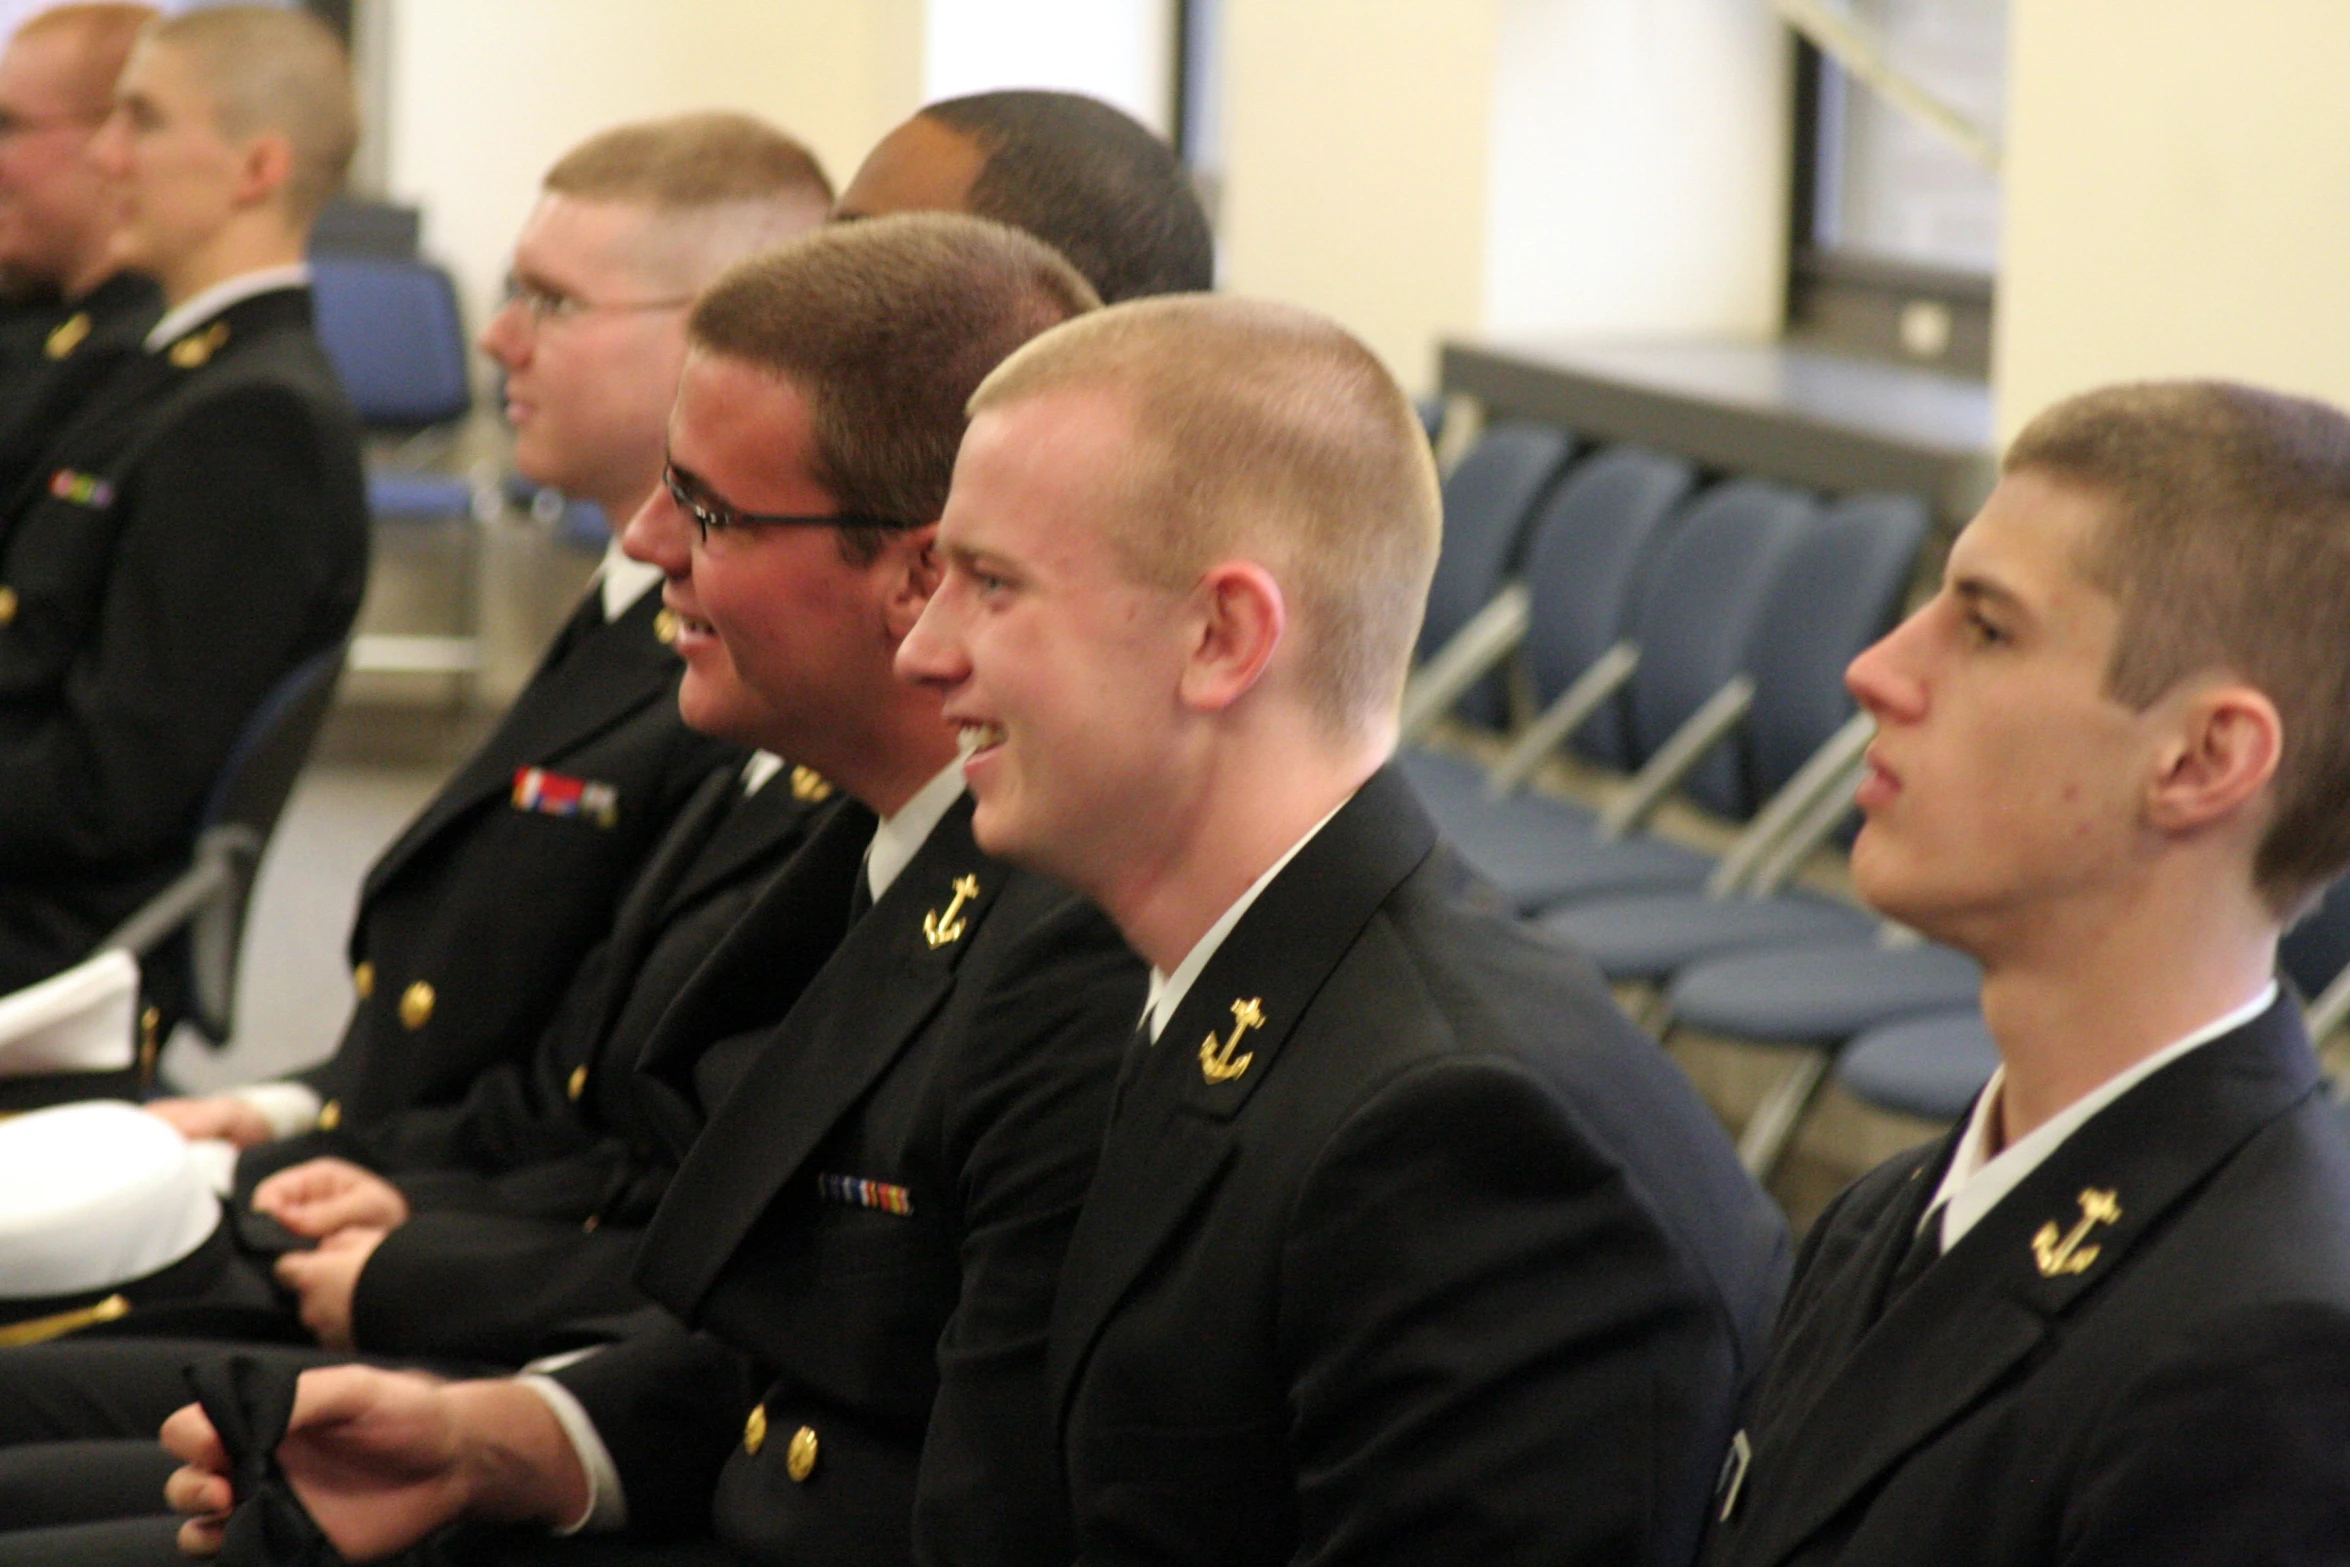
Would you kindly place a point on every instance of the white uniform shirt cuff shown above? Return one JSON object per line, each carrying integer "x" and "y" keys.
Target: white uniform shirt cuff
{"x": 607, "y": 1505}
{"x": 290, "y": 1108}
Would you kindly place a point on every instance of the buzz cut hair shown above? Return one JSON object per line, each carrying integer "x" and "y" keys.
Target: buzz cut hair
{"x": 886, "y": 327}
{"x": 1092, "y": 182}
{"x": 103, "y": 34}
{"x": 1263, "y": 431}
{"x": 2224, "y": 541}
{"x": 705, "y": 159}
{"x": 274, "y": 70}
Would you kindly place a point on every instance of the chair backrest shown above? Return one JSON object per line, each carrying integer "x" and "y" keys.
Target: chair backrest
{"x": 2317, "y": 949}
{"x": 275, "y": 742}
{"x": 239, "y": 818}
{"x": 1695, "y": 624}
{"x": 1489, "y": 498}
{"x": 396, "y": 338}
{"x": 1839, "y": 588}
{"x": 1593, "y": 543}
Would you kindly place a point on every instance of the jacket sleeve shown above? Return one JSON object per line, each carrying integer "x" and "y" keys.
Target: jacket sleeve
{"x": 488, "y": 1287}
{"x": 1494, "y": 1353}
{"x": 668, "y": 1403}
{"x": 244, "y": 551}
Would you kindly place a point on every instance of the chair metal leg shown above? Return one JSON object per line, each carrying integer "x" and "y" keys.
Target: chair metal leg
{"x": 1773, "y": 1125}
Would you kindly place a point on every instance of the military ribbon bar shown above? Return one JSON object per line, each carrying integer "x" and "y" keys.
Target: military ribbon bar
{"x": 83, "y": 489}
{"x": 553, "y": 794}
{"x": 858, "y": 1193}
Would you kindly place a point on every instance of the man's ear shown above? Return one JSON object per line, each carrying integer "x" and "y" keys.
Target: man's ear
{"x": 2222, "y": 751}
{"x": 266, "y": 163}
{"x": 911, "y": 561}
{"x": 1241, "y": 616}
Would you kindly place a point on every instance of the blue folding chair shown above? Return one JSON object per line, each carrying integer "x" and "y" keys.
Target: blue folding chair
{"x": 392, "y": 329}
{"x": 1931, "y": 1067}
{"x": 1490, "y": 499}
{"x": 1592, "y": 545}
{"x": 1839, "y": 592}
{"x": 1695, "y": 634}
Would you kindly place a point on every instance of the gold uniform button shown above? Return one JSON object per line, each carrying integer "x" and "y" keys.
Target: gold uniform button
{"x": 330, "y": 1115}
{"x": 416, "y": 1005}
{"x": 665, "y": 627}
{"x": 799, "y": 1459}
{"x": 591, "y": 1224}
{"x": 363, "y": 980}
{"x": 7, "y": 606}
{"x": 578, "y": 1083}
{"x": 755, "y": 1430}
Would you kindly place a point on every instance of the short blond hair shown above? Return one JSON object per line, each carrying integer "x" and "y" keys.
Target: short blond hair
{"x": 691, "y": 160}
{"x": 274, "y": 70}
{"x": 1264, "y": 431}
{"x": 102, "y": 35}
{"x": 719, "y": 186}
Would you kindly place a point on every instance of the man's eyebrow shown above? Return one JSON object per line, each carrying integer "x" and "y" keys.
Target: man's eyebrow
{"x": 971, "y": 557}
{"x": 693, "y": 482}
{"x": 1987, "y": 592}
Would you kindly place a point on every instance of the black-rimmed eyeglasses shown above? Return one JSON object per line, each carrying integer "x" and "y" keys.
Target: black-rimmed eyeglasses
{"x": 712, "y": 515}
{"x": 542, "y": 305}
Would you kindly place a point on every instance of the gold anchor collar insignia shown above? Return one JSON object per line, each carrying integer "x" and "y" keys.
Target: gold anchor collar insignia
{"x": 939, "y": 929}
{"x": 197, "y": 348}
{"x": 1217, "y": 1063}
{"x": 2061, "y": 1255}
{"x": 67, "y": 335}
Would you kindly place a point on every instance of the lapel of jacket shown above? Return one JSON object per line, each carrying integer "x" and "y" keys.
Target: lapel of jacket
{"x": 115, "y": 417}
{"x": 608, "y": 676}
{"x": 1966, "y": 1324}
{"x": 643, "y": 912}
{"x": 747, "y": 834}
{"x": 1171, "y": 1136}
{"x": 879, "y": 989}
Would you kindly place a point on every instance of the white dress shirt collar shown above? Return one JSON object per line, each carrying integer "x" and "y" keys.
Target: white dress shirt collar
{"x": 900, "y": 837}
{"x": 1978, "y": 1179}
{"x": 194, "y": 312}
{"x": 620, "y": 580}
{"x": 1168, "y": 990}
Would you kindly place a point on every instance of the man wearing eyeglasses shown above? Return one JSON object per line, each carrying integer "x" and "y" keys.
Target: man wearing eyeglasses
{"x": 867, "y": 1233}
{"x": 453, "y": 973}
{"x": 75, "y": 313}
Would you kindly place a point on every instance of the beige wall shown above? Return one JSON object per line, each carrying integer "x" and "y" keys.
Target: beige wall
{"x": 1355, "y": 140}
{"x": 486, "y": 93}
{"x": 2178, "y": 197}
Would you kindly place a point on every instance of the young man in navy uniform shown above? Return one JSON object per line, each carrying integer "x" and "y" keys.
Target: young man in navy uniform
{"x": 82, "y": 311}
{"x": 456, "y": 973}
{"x": 2106, "y": 1319}
{"x": 868, "y": 1228}
{"x": 199, "y": 529}
{"x": 1405, "y": 1244}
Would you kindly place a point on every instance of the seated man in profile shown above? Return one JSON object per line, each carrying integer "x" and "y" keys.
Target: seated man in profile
{"x": 82, "y": 312}
{"x": 2106, "y": 1319}
{"x": 1405, "y": 1245}
{"x": 198, "y": 530}
{"x": 472, "y": 924}
{"x": 866, "y": 1233}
